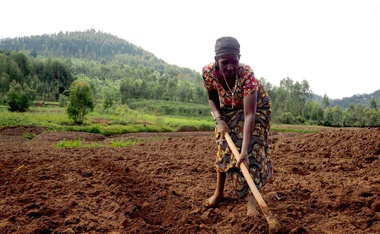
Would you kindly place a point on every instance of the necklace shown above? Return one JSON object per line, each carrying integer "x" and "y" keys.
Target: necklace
{"x": 231, "y": 91}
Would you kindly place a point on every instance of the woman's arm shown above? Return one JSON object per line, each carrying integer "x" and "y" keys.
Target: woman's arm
{"x": 213, "y": 101}
{"x": 250, "y": 105}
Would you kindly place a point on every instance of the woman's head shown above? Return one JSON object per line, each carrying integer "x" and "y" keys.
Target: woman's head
{"x": 227, "y": 55}
{"x": 227, "y": 46}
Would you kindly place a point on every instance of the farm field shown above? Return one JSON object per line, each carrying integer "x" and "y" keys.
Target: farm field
{"x": 324, "y": 182}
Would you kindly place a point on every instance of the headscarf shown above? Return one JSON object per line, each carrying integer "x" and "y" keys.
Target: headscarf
{"x": 227, "y": 45}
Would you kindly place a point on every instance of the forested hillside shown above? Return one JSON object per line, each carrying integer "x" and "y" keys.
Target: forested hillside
{"x": 364, "y": 99}
{"x": 106, "y": 60}
{"x": 120, "y": 72}
{"x": 90, "y": 46}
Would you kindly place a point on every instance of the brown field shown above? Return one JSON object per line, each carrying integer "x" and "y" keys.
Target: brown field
{"x": 327, "y": 182}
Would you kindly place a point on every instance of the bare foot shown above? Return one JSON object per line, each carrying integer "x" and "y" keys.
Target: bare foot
{"x": 213, "y": 201}
{"x": 252, "y": 207}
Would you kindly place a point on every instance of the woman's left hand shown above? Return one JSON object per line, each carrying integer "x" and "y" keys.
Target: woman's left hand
{"x": 243, "y": 159}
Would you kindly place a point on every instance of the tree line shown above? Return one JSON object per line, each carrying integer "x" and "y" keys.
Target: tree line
{"x": 48, "y": 78}
{"x": 51, "y": 78}
{"x": 119, "y": 72}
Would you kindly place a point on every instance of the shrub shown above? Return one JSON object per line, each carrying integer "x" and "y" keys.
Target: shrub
{"x": 63, "y": 100}
{"x": 111, "y": 96}
{"x": 18, "y": 97}
{"x": 287, "y": 118}
{"x": 81, "y": 101}
{"x": 3, "y": 100}
{"x": 300, "y": 119}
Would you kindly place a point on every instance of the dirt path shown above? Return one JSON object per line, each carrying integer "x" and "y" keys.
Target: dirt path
{"x": 324, "y": 183}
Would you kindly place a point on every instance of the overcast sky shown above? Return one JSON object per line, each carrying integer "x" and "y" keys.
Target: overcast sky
{"x": 333, "y": 44}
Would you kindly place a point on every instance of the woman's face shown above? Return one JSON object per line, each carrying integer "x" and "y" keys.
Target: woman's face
{"x": 228, "y": 64}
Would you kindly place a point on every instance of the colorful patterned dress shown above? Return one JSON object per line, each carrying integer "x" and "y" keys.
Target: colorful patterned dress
{"x": 260, "y": 167}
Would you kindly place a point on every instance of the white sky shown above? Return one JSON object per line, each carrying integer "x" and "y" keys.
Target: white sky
{"x": 333, "y": 44}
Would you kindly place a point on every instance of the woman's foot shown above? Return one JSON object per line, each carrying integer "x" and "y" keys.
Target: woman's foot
{"x": 214, "y": 200}
{"x": 218, "y": 194}
{"x": 252, "y": 207}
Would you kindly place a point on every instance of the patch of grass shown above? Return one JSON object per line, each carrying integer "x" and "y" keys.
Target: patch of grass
{"x": 121, "y": 119}
{"x": 50, "y": 118}
{"x": 77, "y": 144}
{"x": 28, "y": 135}
{"x": 94, "y": 129}
{"x": 296, "y": 128}
{"x": 189, "y": 124}
{"x": 122, "y": 142}
{"x": 85, "y": 128}
{"x": 93, "y": 145}
{"x": 69, "y": 143}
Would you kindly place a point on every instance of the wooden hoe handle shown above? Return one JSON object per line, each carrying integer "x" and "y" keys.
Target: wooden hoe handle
{"x": 273, "y": 223}
{"x": 245, "y": 172}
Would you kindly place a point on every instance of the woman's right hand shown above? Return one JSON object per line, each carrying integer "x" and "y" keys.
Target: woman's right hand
{"x": 221, "y": 128}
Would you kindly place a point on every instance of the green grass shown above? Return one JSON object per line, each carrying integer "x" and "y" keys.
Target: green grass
{"x": 122, "y": 142}
{"x": 93, "y": 145}
{"x": 69, "y": 144}
{"x": 296, "y": 128}
{"x": 79, "y": 144}
{"x": 121, "y": 119}
{"x": 52, "y": 118}
{"x": 28, "y": 135}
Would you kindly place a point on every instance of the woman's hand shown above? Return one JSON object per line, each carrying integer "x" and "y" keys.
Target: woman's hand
{"x": 243, "y": 159}
{"x": 221, "y": 128}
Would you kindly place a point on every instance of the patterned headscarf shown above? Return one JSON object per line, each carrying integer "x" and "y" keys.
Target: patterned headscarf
{"x": 227, "y": 45}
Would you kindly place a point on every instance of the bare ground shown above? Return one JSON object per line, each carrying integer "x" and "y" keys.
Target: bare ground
{"x": 325, "y": 182}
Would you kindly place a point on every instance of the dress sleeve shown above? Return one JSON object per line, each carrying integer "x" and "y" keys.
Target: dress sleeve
{"x": 250, "y": 85}
{"x": 206, "y": 78}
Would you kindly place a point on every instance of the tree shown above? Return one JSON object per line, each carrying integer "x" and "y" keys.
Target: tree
{"x": 81, "y": 101}
{"x": 58, "y": 76}
{"x": 359, "y": 113}
{"x": 4, "y": 83}
{"x": 371, "y": 117}
{"x": 15, "y": 72}
{"x": 349, "y": 118}
{"x": 33, "y": 53}
{"x": 22, "y": 62}
{"x": 325, "y": 102}
{"x": 110, "y": 96}
{"x": 337, "y": 116}
{"x": 301, "y": 94}
{"x": 184, "y": 92}
{"x": 291, "y": 98}
{"x": 127, "y": 90}
{"x": 19, "y": 97}
{"x": 373, "y": 104}
{"x": 328, "y": 117}
{"x": 4, "y": 77}
{"x": 313, "y": 111}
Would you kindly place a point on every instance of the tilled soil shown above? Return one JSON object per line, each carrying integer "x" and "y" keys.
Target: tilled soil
{"x": 326, "y": 182}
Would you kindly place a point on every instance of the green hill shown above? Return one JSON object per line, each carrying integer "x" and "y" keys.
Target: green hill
{"x": 363, "y": 99}
{"x": 102, "y": 58}
{"x": 119, "y": 71}
{"x": 89, "y": 45}
{"x": 104, "y": 48}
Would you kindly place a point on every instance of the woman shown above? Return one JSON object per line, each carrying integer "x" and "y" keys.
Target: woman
{"x": 242, "y": 107}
